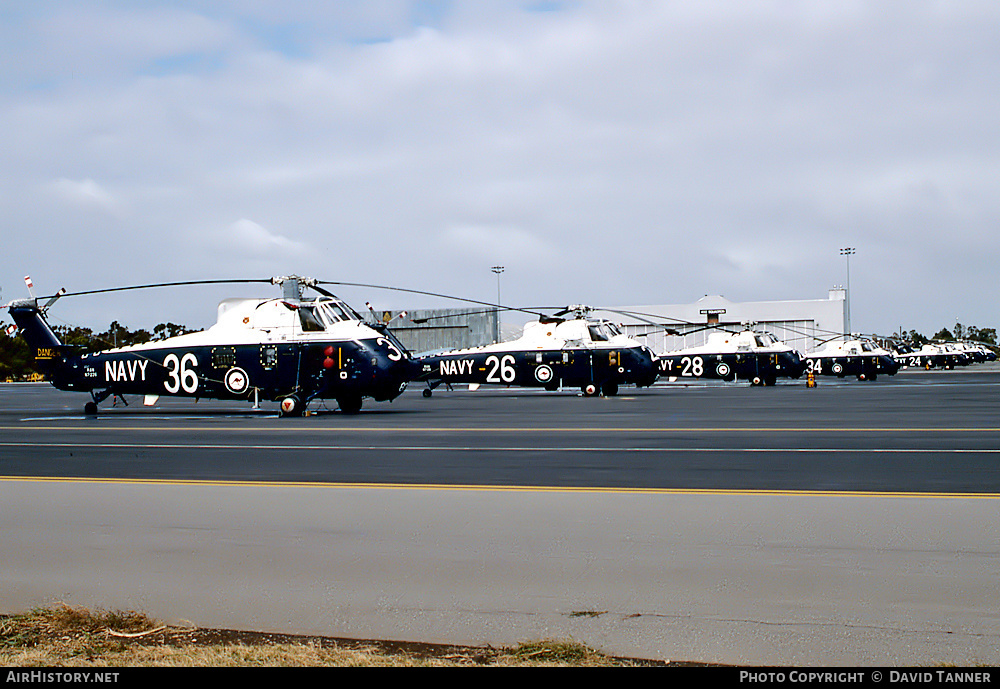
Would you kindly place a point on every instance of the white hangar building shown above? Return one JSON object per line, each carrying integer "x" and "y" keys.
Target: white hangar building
{"x": 800, "y": 324}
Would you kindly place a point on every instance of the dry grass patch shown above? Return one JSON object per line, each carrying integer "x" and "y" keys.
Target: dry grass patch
{"x": 67, "y": 636}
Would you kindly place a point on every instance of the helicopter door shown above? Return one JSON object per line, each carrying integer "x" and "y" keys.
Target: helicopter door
{"x": 278, "y": 369}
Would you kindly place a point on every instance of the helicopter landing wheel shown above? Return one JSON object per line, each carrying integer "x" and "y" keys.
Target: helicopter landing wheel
{"x": 350, "y": 404}
{"x": 427, "y": 392}
{"x": 609, "y": 389}
{"x": 90, "y": 409}
{"x": 756, "y": 380}
{"x": 292, "y": 406}
{"x": 589, "y": 390}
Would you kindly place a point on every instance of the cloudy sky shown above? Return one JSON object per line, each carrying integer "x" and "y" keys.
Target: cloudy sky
{"x": 603, "y": 152}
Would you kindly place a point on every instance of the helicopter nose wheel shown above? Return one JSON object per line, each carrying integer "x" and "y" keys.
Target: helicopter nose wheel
{"x": 292, "y": 406}
{"x": 609, "y": 389}
{"x": 350, "y": 404}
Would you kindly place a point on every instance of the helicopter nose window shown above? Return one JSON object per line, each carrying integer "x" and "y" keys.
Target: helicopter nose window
{"x": 333, "y": 312}
{"x": 328, "y": 315}
{"x": 320, "y": 316}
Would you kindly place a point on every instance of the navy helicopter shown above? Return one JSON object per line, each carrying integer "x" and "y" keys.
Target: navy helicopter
{"x": 289, "y": 349}
{"x": 748, "y": 354}
{"x": 853, "y": 356}
{"x": 944, "y": 355}
{"x": 553, "y": 352}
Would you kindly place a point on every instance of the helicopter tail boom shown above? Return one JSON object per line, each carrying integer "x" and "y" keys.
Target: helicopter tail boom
{"x": 32, "y": 324}
{"x": 45, "y": 345}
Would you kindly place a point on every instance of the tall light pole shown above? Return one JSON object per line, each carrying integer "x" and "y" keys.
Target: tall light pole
{"x": 847, "y": 251}
{"x": 496, "y": 323}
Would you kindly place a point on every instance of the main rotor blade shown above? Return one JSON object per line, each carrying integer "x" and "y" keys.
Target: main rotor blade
{"x": 160, "y": 284}
{"x": 428, "y": 294}
{"x": 479, "y": 312}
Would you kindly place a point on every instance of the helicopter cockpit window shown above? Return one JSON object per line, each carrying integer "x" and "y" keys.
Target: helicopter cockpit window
{"x": 613, "y": 329}
{"x": 759, "y": 341}
{"x": 310, "y": 322}
{"x": 597, "y": 333}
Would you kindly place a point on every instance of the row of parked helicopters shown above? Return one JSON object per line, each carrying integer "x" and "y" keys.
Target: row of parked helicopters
{"x": 295, "y": 349}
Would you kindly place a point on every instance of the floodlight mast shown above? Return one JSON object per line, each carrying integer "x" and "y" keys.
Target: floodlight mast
{"x": 496, "y": 311}
{"x": 848, "y": 251}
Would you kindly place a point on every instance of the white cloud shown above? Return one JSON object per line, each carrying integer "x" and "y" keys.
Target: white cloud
{"x": 643, "y": 151}
{"x": 493, "y": 243}
{"x": 248, "y": 239}
{"x": 86, "y": 194}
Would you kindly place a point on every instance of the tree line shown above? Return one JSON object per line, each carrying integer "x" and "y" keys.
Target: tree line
{"x": 17, "y": 360}
{"x": 987, "y": 336}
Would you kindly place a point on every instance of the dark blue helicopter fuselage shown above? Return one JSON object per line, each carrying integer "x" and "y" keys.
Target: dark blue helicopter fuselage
{"x": 760, "y": 368}
{"x": 590, "y": 369}
{"x": 862, "y": 366}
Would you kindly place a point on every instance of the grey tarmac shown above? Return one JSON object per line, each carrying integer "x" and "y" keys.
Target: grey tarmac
{"x": 852, "y": 523}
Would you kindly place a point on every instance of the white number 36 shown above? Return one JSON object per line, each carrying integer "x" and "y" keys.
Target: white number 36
{"x": 180, "y": 373}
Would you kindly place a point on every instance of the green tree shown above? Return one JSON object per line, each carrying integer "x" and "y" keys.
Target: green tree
{"x": 117, "y": 335}
{"x": 165, "y": 330}
{"x": 81, "y": 337}
{"x": 16, "y": 361}
{"x": 984, "y": 335}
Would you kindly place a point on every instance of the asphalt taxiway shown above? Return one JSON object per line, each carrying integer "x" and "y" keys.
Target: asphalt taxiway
{"x": 852, "y": 523}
